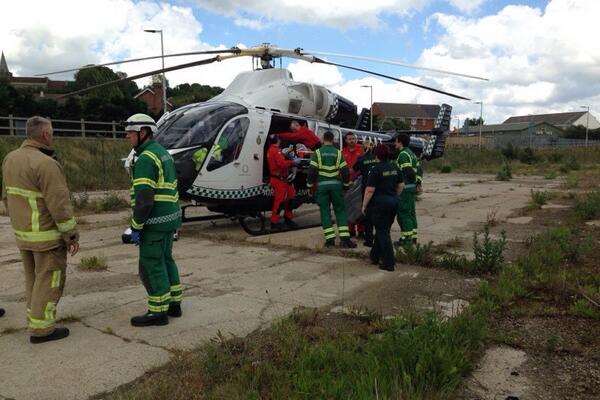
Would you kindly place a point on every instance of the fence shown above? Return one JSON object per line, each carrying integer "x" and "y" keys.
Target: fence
{"x": 15, "y": 126}
{"x": 532, "y": 141}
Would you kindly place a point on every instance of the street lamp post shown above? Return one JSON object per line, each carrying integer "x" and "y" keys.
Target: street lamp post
{"x": 480, "y": 120}
{"x": 587, "y": 124}
{"x": 371, "y": 109}
{"x": 162, "y": 53}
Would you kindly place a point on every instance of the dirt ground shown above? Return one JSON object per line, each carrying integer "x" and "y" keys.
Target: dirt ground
{"x": 233, "y": 284}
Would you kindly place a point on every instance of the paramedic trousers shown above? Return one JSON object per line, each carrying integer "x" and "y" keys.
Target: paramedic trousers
{"x": 381, "y": 211}
{"x": 158, "y": 271}
{"x": 44, "y": 285}
{"x": 407, "y": 216}
{"x": 330, "y": 193}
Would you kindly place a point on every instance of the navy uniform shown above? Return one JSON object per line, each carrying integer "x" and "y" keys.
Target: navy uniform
{"x": 381, "y": 210}
{"x": 364, "y": 165}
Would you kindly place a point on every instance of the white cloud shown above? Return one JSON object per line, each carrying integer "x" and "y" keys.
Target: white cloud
{"x": 466, "y": 6}
{"x": 254, "y": 24}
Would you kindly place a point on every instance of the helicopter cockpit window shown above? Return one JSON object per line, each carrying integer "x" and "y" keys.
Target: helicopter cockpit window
{"x": 229, "y": 146}
{"x": 196, "y": 125}
{"x": 336, "y": 134}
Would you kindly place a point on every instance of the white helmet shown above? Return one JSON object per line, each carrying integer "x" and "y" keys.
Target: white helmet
{"x": 137, "y": 121}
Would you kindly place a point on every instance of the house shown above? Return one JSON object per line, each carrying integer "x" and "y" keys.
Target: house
{"x": 562, "y": 120}
{"x": 417, "y": 116}
{"x": 515, "y": 128}
{"x": 38, "y": 83}
{"x": 153, "y": 97}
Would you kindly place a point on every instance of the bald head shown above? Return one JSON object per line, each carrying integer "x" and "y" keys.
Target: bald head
{"x": 39, "y": 129}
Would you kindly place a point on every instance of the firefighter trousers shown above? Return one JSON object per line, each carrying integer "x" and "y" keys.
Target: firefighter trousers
{"x": 331, "y": 194}
{"x": 45, "y": 273}
{"x": 407, "y": 216}
{"x": 158, "y": 271}
{"x": 283, "y": 193}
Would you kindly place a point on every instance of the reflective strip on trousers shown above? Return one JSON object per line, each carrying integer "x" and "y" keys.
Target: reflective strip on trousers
{"x": 55, "y": 283}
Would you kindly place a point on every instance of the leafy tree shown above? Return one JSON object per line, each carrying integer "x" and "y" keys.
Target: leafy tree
{"x": 390, "y": 124}
{"x": 185, "y": 93}
{"x": 93, "y": 76}
{"x": 474, "y": 121}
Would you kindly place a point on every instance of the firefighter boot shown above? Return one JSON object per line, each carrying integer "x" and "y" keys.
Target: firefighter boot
{"x": 346, "y": 243}
{"x": 59, "y": 333}
{"x": 174, "y": 310}
{"x": 150, "y": 319}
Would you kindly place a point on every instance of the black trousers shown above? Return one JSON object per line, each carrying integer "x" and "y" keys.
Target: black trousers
{"x": 382, "y": 212}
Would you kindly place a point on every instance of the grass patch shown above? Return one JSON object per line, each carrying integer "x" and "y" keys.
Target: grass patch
{"x": 539, "y": 198}
{"x": 93, "y": 263}
{"x": 315, "y": 356}
{"x": 587, "y": 207}
{"x": 446, "y": 169}
{"x": 107, "y": 203}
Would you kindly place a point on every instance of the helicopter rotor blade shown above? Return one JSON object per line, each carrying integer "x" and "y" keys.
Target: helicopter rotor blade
{"x": 145, "y": 74}
{"x": 321, "y": 61}
{"x": 390, "y": 62}
{"x": 234, "y": 50}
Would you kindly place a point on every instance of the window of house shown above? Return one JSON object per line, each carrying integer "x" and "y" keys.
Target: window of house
{"x": 229, "y": 145}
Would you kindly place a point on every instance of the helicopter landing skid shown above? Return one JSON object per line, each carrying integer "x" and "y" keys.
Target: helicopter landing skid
{"x": 257, "y": 226}
{"x": 185, "y": 218}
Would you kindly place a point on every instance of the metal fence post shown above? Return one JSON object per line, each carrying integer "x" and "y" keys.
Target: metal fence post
{"x": 11, "y": 125}
{"x": 82, "y": 127}
{"x": 114, "y": 130}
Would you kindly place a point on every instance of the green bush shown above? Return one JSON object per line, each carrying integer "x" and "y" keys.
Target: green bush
{"x": 446, "y": 169}
{"x": 551, "y": 175}
{"x": 489, "y": 253}
{"x": 416, "y": 254}
{"x": 528, "y": 156}
{"x": 588, "y": 206}
{"x": 111, "y": 202}
{"x": 93, "y": 263}
{"x": 505, "y": 173}
{"x": 570, "y": 165}
{"x": 539, "y": 198}
{"x": 510, "y": 151}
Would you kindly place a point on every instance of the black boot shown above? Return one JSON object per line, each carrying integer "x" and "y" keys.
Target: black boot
{"x": 368, "y": 243}
{"x": 347, "y": 243}
{"x": 291, "y": 224}
{"x": 387, "y": 267}
{"x": 150, "y": 319}
{"x": 59, "y": 333}
{"x": 174, "y": 310}
{"x": 330, "y": 243}
{"x": 2, "y": 312}
{"x": 277, "y": 227}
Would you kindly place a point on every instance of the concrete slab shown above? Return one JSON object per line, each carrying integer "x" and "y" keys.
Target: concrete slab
{"x": 87, "y": 363}
{"x": 520, "y": 220}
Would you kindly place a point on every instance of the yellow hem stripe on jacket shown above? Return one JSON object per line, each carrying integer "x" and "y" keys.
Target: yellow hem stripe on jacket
{"x": 43, "y": 236}
{"x": 144, "y": 181}
{"x": 167, "y": 198}
{"x": 67, "y": 225}
{"x": 23, "y": 192}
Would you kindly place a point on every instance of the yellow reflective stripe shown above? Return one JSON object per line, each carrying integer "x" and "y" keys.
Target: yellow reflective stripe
{"x": 167, "y": 185}
{"x": 327, "y": 230}
{"x": 40, "y": 323}
{"x": 161, "y": 178}
{"x": 43, "y": 236}
{"x": 23, "y": 192}
{"x": 35, "y": 214}
{"x": 144, "y": 181}
{"x": 55, "y": 279}
{"x": 343, "y": 164}
{"x": 67, "y": 225}
{"x": 329, "y": 167}
{"x": 167, "y": 198}
{"x": 314, "y": 164}
{"x": 156, "y": 309}
{"x": 135, "y": 225}
{"x": 176, "y": 287}
{"x": 329, "y": 174}
{"x": 406, "y": 164}
{"x": 50, "y": 311}
{"x": 177, "y": 298}
{"x": 319, "y": 162}
{"x": 159, "y": 299}
{"x": 338, "y": 161}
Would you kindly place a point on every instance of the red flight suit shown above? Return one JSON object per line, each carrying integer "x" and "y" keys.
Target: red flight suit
{"x": 351, "y": 156}
{"x": 283, "y": 190}
{"x": 302, "y": 135}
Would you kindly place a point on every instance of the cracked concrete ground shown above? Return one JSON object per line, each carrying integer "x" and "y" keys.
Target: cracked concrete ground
{"x": 233, "y": 284}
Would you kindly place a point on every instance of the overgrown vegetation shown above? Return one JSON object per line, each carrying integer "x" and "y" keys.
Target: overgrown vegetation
{"x": 539, "y": 198}
{"x": 93, "y": 263}
{"x": 89, "y": 164}
{"x": 505, "y": 173}
{"x": 587, "y": 206}
{"x": 108, "y": 202}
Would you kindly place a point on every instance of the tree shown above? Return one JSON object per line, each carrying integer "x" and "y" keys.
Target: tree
{"x": 474, "y": 121}
{"x": 93, "y": 76}
{"x": 185, "y": 93}
{"x": 390, "y": 124}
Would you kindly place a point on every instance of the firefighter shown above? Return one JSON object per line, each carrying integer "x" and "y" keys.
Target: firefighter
{"x": 329, "y": 172}
{"x": 301, "y": 134}
{"x": 410, "y": 168}
{"x": 283, "y": 191}
{"x": 380, "y": 204}
{"x": 156, "y": 217}
{"x": 351, "y": 152}
{"x": 363, "y": 166}
{"x": 37, "y": 199}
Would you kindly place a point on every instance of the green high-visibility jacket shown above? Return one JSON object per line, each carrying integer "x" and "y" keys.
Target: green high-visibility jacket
{"x": 328, "y": 167}
{"x": 410, "y": 166}
{"x": 154, "y": 173}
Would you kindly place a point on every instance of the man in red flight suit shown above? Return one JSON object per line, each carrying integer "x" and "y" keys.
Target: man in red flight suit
{"x": 351, "y": 152}
{"x": 301, "y": 134}
{"x": 283, "y": 191}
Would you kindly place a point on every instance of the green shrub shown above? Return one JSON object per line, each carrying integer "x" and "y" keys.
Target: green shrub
{"x": 489, "y": 253}
{"x": 570, "y": 165}
{"x": 572, "y": 181}
{"x": 93, "y": 263}
{"x": 416, "y": 254}
{"x": 455, "y": 262}
{"x": 510, "y": 152}
{"x": 528, "y": 156}
{"x": 539, "y": 198}
{"x": 555, "y": 157}
{"x": 446, "y": 169}
{"x": 588, "y": 206}
{"x": 583, "y": 308}
{"x": 505, "y": 173}
{"x": 551, "y": 175}
{"x": 110, "y": 202}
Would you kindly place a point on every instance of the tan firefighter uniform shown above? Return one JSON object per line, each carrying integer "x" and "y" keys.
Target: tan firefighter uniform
{"x": 37, "y": 198}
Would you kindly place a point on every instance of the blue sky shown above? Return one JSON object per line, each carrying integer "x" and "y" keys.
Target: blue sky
{"x": 540, "y": 56}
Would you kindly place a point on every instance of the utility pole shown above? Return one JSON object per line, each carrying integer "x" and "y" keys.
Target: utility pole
{"x": 480, "y": 120}
{"x": 587, "y": 124}
{"x": 371, "y": 109}
{"x": 162, "y": 53}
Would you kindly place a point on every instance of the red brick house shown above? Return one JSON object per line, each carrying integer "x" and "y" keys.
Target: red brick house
{"x": 417, "y": 116}
{"x": 153, "y": 97}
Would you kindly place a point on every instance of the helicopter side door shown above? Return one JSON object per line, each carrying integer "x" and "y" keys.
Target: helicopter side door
{"x": 234, "y": 163}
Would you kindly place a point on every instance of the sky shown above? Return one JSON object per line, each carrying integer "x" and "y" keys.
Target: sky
{"x": 540, "y": 56}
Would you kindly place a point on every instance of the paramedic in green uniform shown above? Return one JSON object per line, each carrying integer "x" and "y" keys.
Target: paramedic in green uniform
{"x": 156, "y": 217}
{"x": 330, "y": 174}
{"x": 410, "y": 168}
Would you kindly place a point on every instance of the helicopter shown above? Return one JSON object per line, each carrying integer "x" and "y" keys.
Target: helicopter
{"x": 219, "y": 146}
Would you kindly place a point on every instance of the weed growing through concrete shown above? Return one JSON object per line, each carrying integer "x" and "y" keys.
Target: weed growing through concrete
{"x": 587, "y": 207}
{"x": 505, "y": 173}
{"x": 489, "y": 253}
{"x": 539, "y": 198}
{"x": 93, "y": 263}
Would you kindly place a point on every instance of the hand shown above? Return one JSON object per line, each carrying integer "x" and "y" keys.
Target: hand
{"x": 136, "y": 236}
{"x": 73, "y": 248}
{"x": 364, "y": 210}
{"x": 419, "y": 188}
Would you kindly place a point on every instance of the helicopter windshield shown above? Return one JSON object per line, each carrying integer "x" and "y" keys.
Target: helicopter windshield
{"x": 196, "y": 125}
